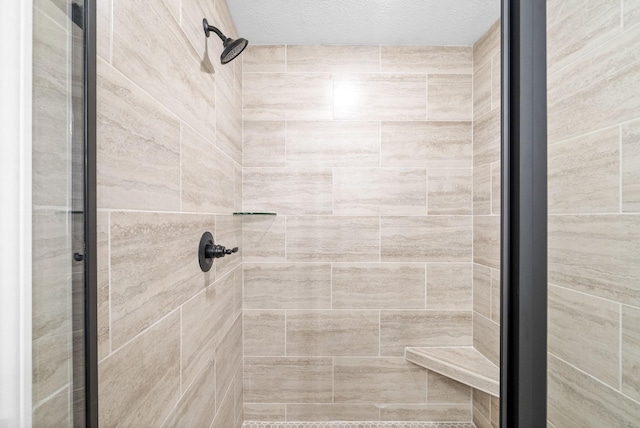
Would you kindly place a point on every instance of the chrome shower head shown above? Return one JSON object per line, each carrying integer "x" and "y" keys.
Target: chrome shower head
{"x": 232, "y": 48}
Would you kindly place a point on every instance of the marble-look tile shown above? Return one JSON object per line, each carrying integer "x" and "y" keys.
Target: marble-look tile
{"x": 378, "y": 380}
{"x": 225, "y": 415}
{"x": 495, "y": 296}
{"x": 264, "y": 333}
{"x": 442, "y": 389}
{"x": 495, "y": 412}
{"x": 584, "y": 332}
{"x": 450, "y": 97}
{"x": 205, "y": 319}
{"x": 631, "y": 13}
{"x": 399, "y": 329}
{"x": 237, "y": 186}
{"x": 332, "y": 333}
{"x": 197, "y": 407}
{"x": 486, "y": 338}
{"x": 280, "y": 96}
{"x": 102, "y": 247}
{"x": 103, "y": 25}
{"x": 378, "y": 286}
{"x": 482, "y": 290}
{"x": 238, "y": 394}
{"x": 229, "y": 234}
{"x": 263, "y": 238}
{"x": 287, "y": 285}
{"x": 482, "y": 406}
{"x": 238, "y": 279}
{"x": 340, "y": 239}
{"x": 496, "y": 81}
{"x": 140, "y": 383}
{"x": 333, "y": 58}
{"x": 450, "y": 191}
{"x": 427, "y": 144}
{"x": 288, "y": 379}
{"x": 190, "y": 19}
{"x": 208, "y": 176}
{"x": 138, "y": 143}
{"x": 426, "y": 239}
{"x": 288, "y": 191}
{"x": 482, "y": 89}
{"x": 486, "y": 138}
{"x": 584, "y": 174}
{"x": 51, "y": 364}
{"x": 332, "y": 412}
{"x": 144, "y": 291}
{"x": 631, "y": 352}
{"x": 269, "y": 412}
{"x": 377, "y": 191}
{"x": 264, "y": 59}
{"x": 333, "y": 143}
{"x": 263, "y": 143}
{"x": 228, "y": 357}
{"x": 596, "y": 254}
{"x": 487, "y": 46}
{"x": 486, "y": 241}
{"x": 229, "y": 128}
{"x": 54, "y": 412}
{"x": 496, "y": 188}
{"x": 449, "y": 286}
{"x": 426, "y": 59}
{"x": 631, "y": 166}
{"x": 379, "y": 97}
{"x": 482, "y": 190}
{"x": 426, "y": 412}
{"x": 577, "y": 399}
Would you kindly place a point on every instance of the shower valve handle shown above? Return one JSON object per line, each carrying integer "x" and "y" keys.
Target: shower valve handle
{"x": 208, "y": 250}
{"x": 216, "y": 251}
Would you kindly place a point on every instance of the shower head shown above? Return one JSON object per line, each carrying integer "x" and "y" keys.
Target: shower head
{"x": 232, "y": 48}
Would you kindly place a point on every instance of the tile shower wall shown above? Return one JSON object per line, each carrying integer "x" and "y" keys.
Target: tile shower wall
{"x": 169, "y": 168}
{"x": 594, "y": 226}
{"x": 486, "y": 213}
{"x": 365, "y": 153}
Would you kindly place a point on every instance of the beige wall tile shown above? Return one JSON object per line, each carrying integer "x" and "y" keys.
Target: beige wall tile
{"x": 140, "y": 383}
{"x": 482, "y": 407}
{"x": 237, "y": 185}
{"x": 378, "y": 380}
{"x": 378, "y": 286}
{"x": 333, "y": 58}
{"x": 202, "y": 190}
{"x": 266, "y": 58}
{"x": 482, "y": 87}
{"x": 189, "y": 15}
{"x": 426, "y": 239}
{"x": 631, "y": 13}
{"x": 496, "y": 188}
{"x": 427, "y": 144}
{"x": 333, "y": 143}
{"x": 51, "y": 364}
{"x": 263, "y": 238}
{"x": 450, "y": 191}
{"x": 103, "y": 25}
{"x": 426, "y": 412}
{"x": 376, "y": 191}
{"x": 229, "y": 128}
{"x": 341, "y": 239}
{"x": 584, "y": 331}
{"x": 54, "y": 412}
{"x": 631, "y": 166}
{"x": 495, "y": 295}
{"x": 229, "y": 234}
{"x": 271, "y": 412}
{"x": 426, "y": 59}
{"x": 449, "y": 286}
{"x": 332, "y": 412}
{"x": 496, "y": 81}
{"x": 442, "y": 389}
{"x": 287, "y": 190}
{"x": 287, "y": 285}
{"x": 332, "y": 333}
{"x": 486, "y": 138}
{"x": 279, "y": 96}
{"x": 486, "y": 241}
{"x": 142, "y": 293}
{"x": 591, "y": 402}
{"x": 263, "y": 143}
{"x": 482, "y": 190}
{"x": 197, "y": 407}
{"x": 228, "y": 360}
{"x": 596, "y": 254}
{"x": 487, "y": 46}
{"x": 486, "y": 338}
{"x": 379, "y": 97}
{"x": 138, "y": 147}
{"x": 584, "y": 174}
{"x": 290, "y": 379}
{"x": 495, "y": 412}
{"x": 450, "y": 97}
{"x": 630, "y": 352}
{"x": 399, "y": 329}
{"x": 225, "y": 415}
{"x": 264, "y": 333}
{"x": 482, "y": 290}
{"x": 102, "y": 238}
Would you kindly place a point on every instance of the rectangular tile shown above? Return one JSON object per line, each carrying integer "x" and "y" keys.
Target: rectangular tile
{"x": 333, "y": 58}
{"x": 450, "y": 191}
{"x": 584, "y": 331}
{"x": 442, "y": 389}
{"x": 426, "y": 239}
{"x": 399, "y": 329}
{"x": 332, "y": 412}
{"x": 482, "y": 406}
{"x": 450, "y": 97}
{"x": 631, "y": 166}
{"x": 229, "y": 127}
{"x": 54, "y": 411}
{"x": 482, "y": 290}
{"x": 597, "y": 254}
{"x": 341, "y": 239}
{"x": 377, "y": 191}
{"x": 263, "y": 238}
{"x": 496, "y": 81}
{"x": 630, "y": 352}
{"x": 378, "y": 286}
{"x": 197, "y": 407}
{"x": 140, "y": 383}
{"x": 263, "y": 143}
{"x": 103, "y": 262}
{"x": 426, "y": 59}
{"x": 280, "y": 96}
{"x": 332, "y": 333}
{"x": 449, "y": 286}
{"x": 427, "y": 144}
{"x": 482, "y": 190}
{"x": 379, "y": 97}
{"x": 333, "y": 143}
{"x": 263, "y": 59}
{"x": 495, "y": 295}
{"x": 229, "y": 234}
{"x": 486, "y": 241}
{"x": 228, "y": 360}
{"x": 496, "y": 188}
{"x": 264, "y": 333}
{"x": 51, "y": 364}
{"x": 481, "y": 89}
{"x": 287, "y": 285}
{"x": 103, "y": 25}
{"x": 631, "y": 13}
{"x": 486, "y": 138}
{"x": 381, "y": 380}
{"x": 270, "y": 412}
{"x": 426, "y": 412}
{"x": 487, "y": 46}
{"x": 225, "y": 415}
{"x": 290, "y": 379}
{"x": 486, "y": 338}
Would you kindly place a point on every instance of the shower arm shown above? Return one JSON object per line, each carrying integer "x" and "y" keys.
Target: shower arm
{"x": 208, "y": 28}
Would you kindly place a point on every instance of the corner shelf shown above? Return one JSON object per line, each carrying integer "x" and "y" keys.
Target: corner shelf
{"x": 464, "y": 364}
{"x": 253, "y": 213}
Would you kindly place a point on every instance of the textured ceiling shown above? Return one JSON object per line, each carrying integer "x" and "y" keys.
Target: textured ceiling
{"x": 411, "y": 22}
